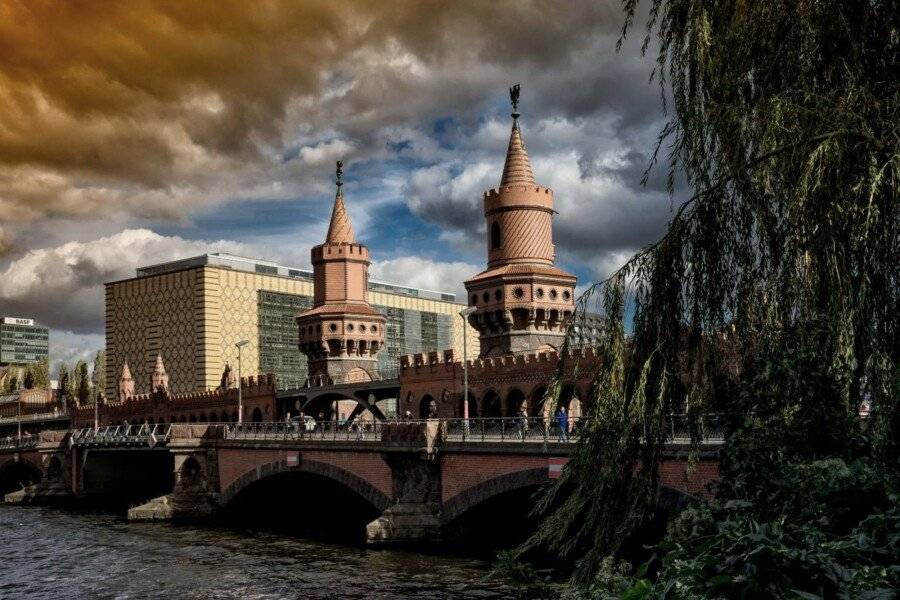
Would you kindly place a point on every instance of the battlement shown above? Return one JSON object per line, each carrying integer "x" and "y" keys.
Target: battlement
{"x": 433, "y": 362}
{"x": 498, "y": 191}
{"x": 339, "y": 251}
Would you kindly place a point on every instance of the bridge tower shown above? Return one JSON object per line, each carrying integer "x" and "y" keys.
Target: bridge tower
{"x": 341, "y": 334}
{"x": 522, "y": 301}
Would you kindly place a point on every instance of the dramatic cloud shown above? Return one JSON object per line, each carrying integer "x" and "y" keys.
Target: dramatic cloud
{"x": 426, "y": 274}
{"x": 202, "y": 122}
{"x": 64, "y": 285}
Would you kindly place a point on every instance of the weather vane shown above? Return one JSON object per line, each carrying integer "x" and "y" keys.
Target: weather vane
{"x": 339, "y": 173}
{"x": 514, "y": 98}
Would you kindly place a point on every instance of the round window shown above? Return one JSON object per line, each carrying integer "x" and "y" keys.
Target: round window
{"x": 349, "y": 326}
{"x": 539, "y": 292}
{"x": 332, "y": 328}
{"x": 566, "y": 295}
{"x": 362, "y": 328}
{"x": 518, "y": 292}
{"x": 498, "y": 295}
{"x": 553, "y": 294}
{"x": 374, "y": 328}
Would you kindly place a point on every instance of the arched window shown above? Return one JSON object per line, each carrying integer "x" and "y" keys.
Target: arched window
{"x": 496, "y": 240}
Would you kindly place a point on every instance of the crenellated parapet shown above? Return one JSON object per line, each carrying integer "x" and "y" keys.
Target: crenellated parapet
{"x": 203, "y": 405}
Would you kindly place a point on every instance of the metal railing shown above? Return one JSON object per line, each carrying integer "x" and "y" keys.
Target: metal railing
{"x": 35, "y": 417}
{"x": 122, "y": 435}
{"x": 310, "y": 430}
{"x": 25, "y": 442}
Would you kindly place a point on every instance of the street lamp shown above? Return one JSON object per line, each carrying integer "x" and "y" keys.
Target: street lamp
{"x": 240, "y": 345}
{"x": 464, "y": 313}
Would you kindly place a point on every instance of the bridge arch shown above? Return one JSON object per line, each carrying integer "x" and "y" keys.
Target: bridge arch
{"x": 362, "y": 488}
{"x": 470, "y": 498}
{"x": 16, "y": 474}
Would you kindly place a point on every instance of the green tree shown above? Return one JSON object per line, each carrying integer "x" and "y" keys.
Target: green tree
{"x": 82, "y": 384}
{"x": 784, "y": 123}
{"x": 12, "y": 384}
{"x": 64, "y": 382}
{"x": 28, "y": 380}
{"x": 99, "y": 375}
{"x": 40, "y": 373}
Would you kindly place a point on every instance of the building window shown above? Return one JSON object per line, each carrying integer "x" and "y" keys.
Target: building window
{"x": 474, "y": 299}
{"x": 518, "y": 292}
{"x": 540, "y": 292}
{"x": 496, "y": 239}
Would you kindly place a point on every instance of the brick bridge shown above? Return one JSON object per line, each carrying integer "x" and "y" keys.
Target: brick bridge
{"x": 414, "y": 479}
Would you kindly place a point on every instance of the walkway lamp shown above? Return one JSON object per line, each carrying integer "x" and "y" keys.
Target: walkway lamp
{"x": 240, "y": 345}
{"x": 464, "y": 313}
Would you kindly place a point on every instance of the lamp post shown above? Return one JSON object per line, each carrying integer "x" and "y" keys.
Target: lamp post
{"x": 19, "y": 414}
{"x": 464, "y": 313}
{"x": 240, "y": 345}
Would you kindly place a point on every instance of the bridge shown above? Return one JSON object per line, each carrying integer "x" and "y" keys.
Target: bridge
{"x": 394, "y": 482}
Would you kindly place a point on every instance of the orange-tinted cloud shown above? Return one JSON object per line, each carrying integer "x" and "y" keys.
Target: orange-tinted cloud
{"x": 153, "y": 109}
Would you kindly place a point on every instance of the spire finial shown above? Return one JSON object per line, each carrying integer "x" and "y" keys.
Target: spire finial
{"x": 514, "y": 98}
{"x": 339, "y": 176}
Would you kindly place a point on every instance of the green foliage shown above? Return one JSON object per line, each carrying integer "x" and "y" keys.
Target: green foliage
{"x": 772, "y": 297}
{"x": 64, "y": 382}
{"x": 12, "y": 384}
{"x": 99, "y": 375}
{"x": 82, "y": 385}
{"x": 40, "y": 374}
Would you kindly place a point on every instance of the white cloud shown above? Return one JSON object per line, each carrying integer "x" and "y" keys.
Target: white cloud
{"x": 63, "y": 286}
{"x": 427, "y": 274}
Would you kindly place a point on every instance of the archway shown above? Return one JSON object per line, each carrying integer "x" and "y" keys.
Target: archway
{"x": 17, "y": 474}
{"x": 491, "y": 406}
{"x": 536, "y": 405}
{"x": 473, "y": 406}
{"x": 495, "y": 513}
{"x": 515, "y": 401}
{"x": 313, "y": 499}
{"x": 425, "y": 406}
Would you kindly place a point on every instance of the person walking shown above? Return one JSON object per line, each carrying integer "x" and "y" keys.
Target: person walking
{"x": 522, "y": 423}
{"x": 562, "y": 421}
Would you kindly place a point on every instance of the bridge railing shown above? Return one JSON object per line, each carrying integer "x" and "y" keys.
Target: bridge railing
{"x": 114, "y": 435}
{"x": 23, "y": 443}
{"x": 320, "y": 430}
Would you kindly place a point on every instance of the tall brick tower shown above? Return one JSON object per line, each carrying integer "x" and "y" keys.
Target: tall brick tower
{"x": 341, "y": 335}
{"x": 522, "y": 301}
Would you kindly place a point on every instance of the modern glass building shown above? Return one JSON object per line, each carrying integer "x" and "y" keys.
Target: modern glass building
{"x": 194, "y": 311}
{"x": 22, "y": 342}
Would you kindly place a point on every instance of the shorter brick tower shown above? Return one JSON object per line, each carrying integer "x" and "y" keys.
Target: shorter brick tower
{"x": 522, "y": 301}
{"x": 341, "y": 334}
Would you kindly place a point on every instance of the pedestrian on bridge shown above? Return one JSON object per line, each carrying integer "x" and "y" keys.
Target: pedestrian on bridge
{"x": 562, "y": 420}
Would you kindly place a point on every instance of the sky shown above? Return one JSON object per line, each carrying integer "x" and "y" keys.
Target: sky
{"x": 140, "y": 132}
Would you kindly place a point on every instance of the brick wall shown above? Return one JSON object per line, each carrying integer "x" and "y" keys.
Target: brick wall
{"x": 460, "y": 472}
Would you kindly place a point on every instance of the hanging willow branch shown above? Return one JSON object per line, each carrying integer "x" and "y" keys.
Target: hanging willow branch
{"x": 786, "y": 117}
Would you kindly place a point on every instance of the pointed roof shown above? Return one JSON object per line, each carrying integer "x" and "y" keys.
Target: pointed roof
{"x": 126, "y": 372}
{"x": 517, "y": 169}
{"x": 340, "y": 231}
{"x": 159, "y": 367}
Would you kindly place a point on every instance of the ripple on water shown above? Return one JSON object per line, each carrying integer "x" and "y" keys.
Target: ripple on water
{"x": 50, "y": 553}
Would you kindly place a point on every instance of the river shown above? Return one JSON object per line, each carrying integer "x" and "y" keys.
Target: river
{"x": 51, "y": 553}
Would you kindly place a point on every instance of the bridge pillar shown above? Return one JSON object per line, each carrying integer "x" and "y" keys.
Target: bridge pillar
{"x": 416, "y": 474}
{"x": 195, "y": 495}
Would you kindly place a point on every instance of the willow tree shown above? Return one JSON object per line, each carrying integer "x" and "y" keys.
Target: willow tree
{"x": 785, "y": 122}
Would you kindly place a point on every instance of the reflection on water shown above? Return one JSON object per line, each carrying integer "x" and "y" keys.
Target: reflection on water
{"x": 49, "y": 553}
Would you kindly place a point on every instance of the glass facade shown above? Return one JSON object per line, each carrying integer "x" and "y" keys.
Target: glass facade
{"x": 23, "y": 344}
{"x": 407, "y": 332}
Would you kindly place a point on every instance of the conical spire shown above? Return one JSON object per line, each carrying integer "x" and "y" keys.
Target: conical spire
{"x": 517, "y": 169}
{"x": 340, "y": 231}
{"x": 126, "y": 384}
{"x": 159, "y": 378}
{"x": 126, "y": 372}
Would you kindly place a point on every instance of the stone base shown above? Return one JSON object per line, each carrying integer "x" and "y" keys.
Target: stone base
{"x": 41, "y": 493}
{"x": 175, "y": 507}
{"x": 405, "y": 524}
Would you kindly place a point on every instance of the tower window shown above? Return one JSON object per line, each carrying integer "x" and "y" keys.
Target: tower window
{"x": 496, "y": 239}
